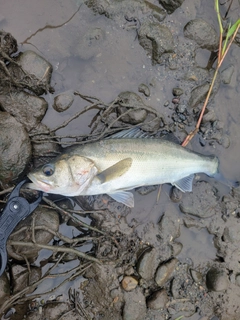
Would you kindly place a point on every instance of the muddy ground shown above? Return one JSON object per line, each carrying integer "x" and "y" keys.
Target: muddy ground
{"x": 173, "y": 256}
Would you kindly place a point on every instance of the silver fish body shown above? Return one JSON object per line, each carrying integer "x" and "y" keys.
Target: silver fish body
{"x": 120, "y": 164}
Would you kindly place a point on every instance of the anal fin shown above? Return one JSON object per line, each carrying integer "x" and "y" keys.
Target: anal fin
{"x": 185, "y": 184}
{"x": 123, "y": 197}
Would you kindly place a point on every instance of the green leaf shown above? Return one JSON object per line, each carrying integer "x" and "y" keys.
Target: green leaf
{"x": 233, "y": 28}
{"x": 219, "y": 16}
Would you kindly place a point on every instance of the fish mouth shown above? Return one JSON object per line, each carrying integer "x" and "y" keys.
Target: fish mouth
{"x": 37, "y": 184}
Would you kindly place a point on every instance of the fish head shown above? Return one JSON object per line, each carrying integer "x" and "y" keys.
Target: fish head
{"x": 67, "y": 175}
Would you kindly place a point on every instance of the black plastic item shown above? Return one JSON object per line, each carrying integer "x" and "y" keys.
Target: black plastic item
{"x": 16, "y": 209}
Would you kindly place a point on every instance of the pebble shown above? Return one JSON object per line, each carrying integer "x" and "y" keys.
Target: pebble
{"x": 197, "y": 276}
{"x": 198, "y": 94}
{"x": 238, "y": 280}
{"x": 176, "y": 248}
{"x": 177, "y": 91}
{"x": 147, "y": 264}
{"x": 164, "y": 272}
{"x": 63, "y": 101}
{"x": 135, "y": 305}
{"x": 176, "y": 194}
{"x": 143, "y": 88}
{"x": 217, "y": 280}
{"x": 226, "y": 74}
{"x": 158, "y": 300}
{"x": 129, "y": 283}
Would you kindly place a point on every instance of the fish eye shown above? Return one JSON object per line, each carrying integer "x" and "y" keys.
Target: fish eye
{"x": 48, "y": 170}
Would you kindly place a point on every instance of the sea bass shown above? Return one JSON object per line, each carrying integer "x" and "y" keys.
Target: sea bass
{"x": 125, "y": 161}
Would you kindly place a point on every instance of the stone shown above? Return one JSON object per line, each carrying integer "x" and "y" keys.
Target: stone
{"x": 202, "y": 33}
{"x": 15, "y": 148}
{"x": 158, "y": 300}
{"x": 4, "y": 287}
{"x": 63, "y": 101}
{"x": 22, "y": 278}
{"x": 177, "y": 91}
{"x": 147, "y": 264}
{"x": 226, "y": 74}
{"x": 28, "y": 109}
{"x": 198, "y": 94}
{"x": 156, "y": 39}
{"x": 217, "y": 280}
{"x": 135, "y": 305}
{"x": 171, "y": 5}
{"x": 129, "y": 283}
{"x": 43, "y": 217}
{"x": 164, "y": 272}
{"x": 143, "y": 88}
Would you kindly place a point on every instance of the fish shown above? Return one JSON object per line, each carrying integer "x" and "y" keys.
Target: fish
{"x": 123, "y": 162}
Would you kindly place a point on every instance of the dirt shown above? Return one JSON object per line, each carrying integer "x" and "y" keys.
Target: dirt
{"x": 181, "y": 250}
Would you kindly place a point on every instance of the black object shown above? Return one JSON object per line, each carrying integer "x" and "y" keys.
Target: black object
{"x": 16, "y": 209}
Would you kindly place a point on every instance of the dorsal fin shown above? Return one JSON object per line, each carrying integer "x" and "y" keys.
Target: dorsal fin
{"x": 133, "y": 133}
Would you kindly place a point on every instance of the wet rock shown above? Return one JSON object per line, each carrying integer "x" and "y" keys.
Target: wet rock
{"x": 4, "y": 287}
{"x": 171, "y": 5}
{"x": 143, "y": 88}
{"x": 169, "y": 227}
{"x": 198, "y": 94}
{"x": 8, "y": 44}
{"x": 129, "y": 283}
{"x": 44, "y": 217}
{"x": 158, "y": 300}
{"x": 147, "y": 264}
{"x": 209, "y": 116}
{"x": 232, "y": 234}
{"x": 26, "y": 108}
{"x": 89, "y": 44}
{"x": 224, "y": 141}
{"x": 177, "y": 91}
{"x": 38, "y": 67}
{"x": 196, "y": 276}
{"x": 135, "y": 305}
{"x": 176, "y": 248}
{"x": 226, "y": 74}
{"x": 202, "y": 33}
{"x": 22, "y": 278}
{"x": 63, "y": 101}
{"x": 134, "y": 102}
{"x": 185, "y": 308}
{"x": 217, "y": 280}
{"x": 15, "y": 148}
{"x": 156, "y": 39}
{"x": 164, "y": 272}
{"x": 202, "y": 202}
{"x": 157, "y": 12}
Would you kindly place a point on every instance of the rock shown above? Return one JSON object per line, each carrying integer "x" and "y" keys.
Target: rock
{"x": 226, "y": 74}
{"x": 15, "y": 148}
{"x": 232, "y": 234}
{"x": 156, "y": 39}
{"x": 202, "y": 202}
{"x": 209, "y": 116}
{"x": 135, "y": 305}
{"x": 43, "y": 217}
{"x": 225, "y": 141}
{"x": 202, "y": 33}
{"x": 8, "y": 44}
{"x": 176, "y": 248}
{"x": 164, "y": 272}
{"x": 196, "y": 276}
{"x": 63, "y": 101}
{"x": 177, "y": 91}
{"x": 217, "y": 280}
{"x": 38, "y": 67}
{"x": 22, "y": 278}
{"x": 176, "y": 194}
{"x": 147, "y": 264}
{"x": 129, "y": 283}
{"x": 158, "y": 300}
{"x": 157, "y": 12}
{"x": 143, "y": 88}
{"x": 169, "y": 227}
{"x": 134, "y": 102}
{"x": 237, "y": 280}
{"x": 4, "y": 287}
{"x": 171, "y": 5}
{"x": 198, "y": 94}
{"x": 28, "y": 109}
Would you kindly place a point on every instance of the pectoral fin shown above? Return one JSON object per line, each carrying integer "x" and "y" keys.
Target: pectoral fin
{"x": 115, "y": 171}
{"x": 123, "y": 197}
{"x": 185, "y": 184}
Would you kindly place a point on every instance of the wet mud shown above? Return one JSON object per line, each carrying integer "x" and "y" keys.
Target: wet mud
{"x": 77, "y": 72}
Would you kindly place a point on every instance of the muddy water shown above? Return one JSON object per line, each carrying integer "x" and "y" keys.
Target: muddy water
{"x": 118, "y": 63}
